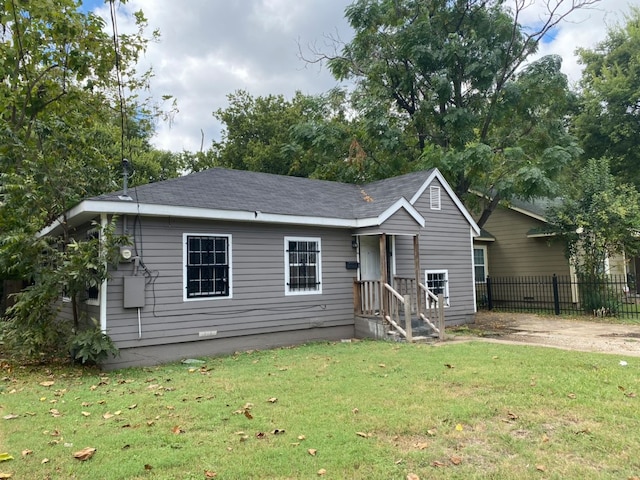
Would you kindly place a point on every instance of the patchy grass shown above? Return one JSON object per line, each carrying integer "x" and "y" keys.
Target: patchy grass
{"x": 373, "y": 410}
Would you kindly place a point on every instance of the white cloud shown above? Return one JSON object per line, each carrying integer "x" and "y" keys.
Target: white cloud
{"x": 210, "y": 48}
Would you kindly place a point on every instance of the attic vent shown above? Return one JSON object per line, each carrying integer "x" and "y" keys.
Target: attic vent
{"x": 434, "y": 197}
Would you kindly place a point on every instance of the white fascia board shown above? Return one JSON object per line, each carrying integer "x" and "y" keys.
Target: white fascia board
{"x": 402, "y": 203}
{"x": 133, "y": 208}
{"x": 436, "y": 174}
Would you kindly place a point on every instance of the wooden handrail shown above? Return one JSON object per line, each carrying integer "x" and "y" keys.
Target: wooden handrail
{"x": 395, "y": 294}
{"x": 430, "y": 294}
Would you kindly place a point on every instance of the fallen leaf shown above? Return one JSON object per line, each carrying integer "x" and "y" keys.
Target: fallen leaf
{"x": 301, "y": 437}
{"x": 85, "y": 404}
{"x": 413, "y": 476}
{"x": 437, "y": 463}
{"x": 382, "y": 365}
{"x": 278, "y": 431}
{"x": 512, "y": 416}
{"x": 48, "y": 383}
{"x": 261, "y": 435}
{"x": 148, "y": 467}
{"x": 459, "y": 427}
{"x": 432, "y": 432}
{"x": 541, "y": 468}
{"x": 44, "y": 460}
{"x": 355, "y": 411}
{"x": 272, "y": 400}
{"x": 630, "y": 395}
{"x": 621, "y": 388}
{"x": 107, "y": 416}
{"x": 6, "y": 475}
{"x": 397, "y": 462}
{"x": 85, "y": 414}
{"x": 571, "y": 395}
{"x": 422, "y": 445}
{"x": 455, "y": 460}
{"x": 131, "y": 407}
{"x": 11, "y": 416}
{"x": 448, "y": 365}
{"x": 5, "y": 457}
{"x": 363, "y": 435}
{"x": 26, "y": 452}
{"x": 84, "y": 454}
{"x": 545, "y": 438}
{"x": 312, "y": 452}
{"x": 210, "y": 474}
{"x": 247, "y": 414}
{"x": 177, "y": 430}
{"x": 322, "y": 471}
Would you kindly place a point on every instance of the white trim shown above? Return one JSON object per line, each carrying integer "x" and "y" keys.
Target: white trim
{"x": 437, "y": 175}
{"x": 473, "y": 272}
{"x": 540, "y": 235}
{"x": 184, "y": 266}
{"x": 401, "y": 203}
{"x": 485, "y": 265}
{"x": 446, "y": 293}
{"x": 287, "y": 290}
{"x": 103, "y": 286}
{"x": 90, "y": 208}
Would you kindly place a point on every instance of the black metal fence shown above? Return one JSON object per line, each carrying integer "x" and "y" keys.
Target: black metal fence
{"x": 604, "y": 296}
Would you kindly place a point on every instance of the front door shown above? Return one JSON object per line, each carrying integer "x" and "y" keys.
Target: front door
{"x": 369, "y": 257}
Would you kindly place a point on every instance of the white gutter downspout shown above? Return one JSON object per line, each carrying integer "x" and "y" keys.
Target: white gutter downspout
{"x": 103, "y": 286}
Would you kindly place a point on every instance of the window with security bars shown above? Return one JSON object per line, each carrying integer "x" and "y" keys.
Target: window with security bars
{"x": 438, "y": 283}
{"x": 207, "y": 266}
{"x": 303, "y": 265}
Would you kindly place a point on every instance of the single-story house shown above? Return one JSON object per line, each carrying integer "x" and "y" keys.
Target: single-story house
{"x": 225, "y": 260}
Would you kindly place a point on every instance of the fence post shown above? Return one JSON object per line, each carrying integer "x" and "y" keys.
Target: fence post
{"x": 489, "y": 296}
{"x": 407, "y": 318}
{"x": 441, "y": 316}
{"x": 556, "y": 295}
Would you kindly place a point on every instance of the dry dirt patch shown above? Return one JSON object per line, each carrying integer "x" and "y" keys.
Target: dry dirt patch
{"x": 559, "y": 332}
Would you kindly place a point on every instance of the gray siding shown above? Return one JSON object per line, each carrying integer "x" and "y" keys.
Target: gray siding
{"x": 400, "y": 223}
{"x": 445, "y": 244}
{"x": 258, "y": 304}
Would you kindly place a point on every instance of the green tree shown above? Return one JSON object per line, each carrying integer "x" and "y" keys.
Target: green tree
{"x": 608, "y": 123}
{"x": 452, "y": 72}
{"x": 599, "y": 220}
{"x": 64, "y": 129}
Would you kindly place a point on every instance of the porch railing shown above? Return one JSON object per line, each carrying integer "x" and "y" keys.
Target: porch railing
{"x": 399, "y": 304}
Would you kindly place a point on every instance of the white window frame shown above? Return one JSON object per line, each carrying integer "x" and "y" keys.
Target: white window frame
{"x": 447, "y": 298}
{"x": 485, "y": 265}
{"x": 287, "y": 273}
{"x": 435, "y": 198}
{"x": 185, "y": 253}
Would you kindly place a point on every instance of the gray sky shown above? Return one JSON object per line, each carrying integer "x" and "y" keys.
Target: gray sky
{"x": 210, "y": 48}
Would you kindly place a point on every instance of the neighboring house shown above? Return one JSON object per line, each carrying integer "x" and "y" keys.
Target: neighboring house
{"x": 226, "y": 260}
{"x": 511, "y": 245}
{"x": 512, "y": 249}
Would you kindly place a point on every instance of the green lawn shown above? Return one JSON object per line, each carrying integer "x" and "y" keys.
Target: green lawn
{"x": 362, "y": 410}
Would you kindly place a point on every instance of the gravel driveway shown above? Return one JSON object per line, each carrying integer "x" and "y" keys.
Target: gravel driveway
{"x": 559, "y": 332}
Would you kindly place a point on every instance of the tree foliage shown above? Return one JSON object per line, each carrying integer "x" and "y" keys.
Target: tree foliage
{"x": 452, "y": 73}
{"x": 600, "y": 220}
{"x": 64, "y": 129}
{"x": 608, "y": 123}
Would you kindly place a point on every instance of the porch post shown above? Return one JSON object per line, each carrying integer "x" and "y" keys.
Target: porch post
{"x": 384, "y": 297}
{"x": 418, "y": 271}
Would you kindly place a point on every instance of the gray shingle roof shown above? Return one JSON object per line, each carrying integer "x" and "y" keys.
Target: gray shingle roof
{"x": 237, "y": 190}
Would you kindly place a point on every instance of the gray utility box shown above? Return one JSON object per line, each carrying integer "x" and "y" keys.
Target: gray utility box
{"x": 134, "y": 292}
